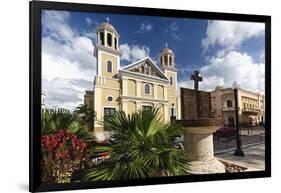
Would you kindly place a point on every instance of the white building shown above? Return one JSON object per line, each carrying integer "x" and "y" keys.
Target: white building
{"x": 251, "y": 106}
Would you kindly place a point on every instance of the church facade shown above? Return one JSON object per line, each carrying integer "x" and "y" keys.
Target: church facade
{"x": 139, "y": 85}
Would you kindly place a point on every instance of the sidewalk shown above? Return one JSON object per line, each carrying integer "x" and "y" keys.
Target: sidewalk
{"x": 254, "y": 158}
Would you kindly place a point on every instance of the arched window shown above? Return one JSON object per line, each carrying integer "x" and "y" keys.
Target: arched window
{"x": 229, "y": 103}
{"x": 171, "y": 80}
{"x": 115, "y": 43}
{"x": 146, "y": 89}
{"x": 170, "y": 60}
{"x": 109, "y": 39}
{"x": 109, "y": 66}
{"x": 166, "y": 60}
{"x": 101, "y": 38}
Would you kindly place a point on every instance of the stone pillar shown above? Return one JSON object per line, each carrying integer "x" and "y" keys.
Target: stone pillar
{"x": 138, "y": 105}
{"x": 165, "y": 93}
{"x": 155, "y": 91}
{"x": 125, "y": 105}
{"x": 98, "y": 126}
{"x": 198, "y": 144}
{"x": 124, "y": 86}
{"x": 166, "y": 111}
{"x": 138, "y": 87}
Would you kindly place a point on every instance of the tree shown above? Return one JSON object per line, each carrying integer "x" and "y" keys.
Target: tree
{"x": 141, "y": 146}
{"x": 56, "y": 119}
{"x": 86, "y": 115}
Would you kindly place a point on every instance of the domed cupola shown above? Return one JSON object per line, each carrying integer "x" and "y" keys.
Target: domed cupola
{"x": 167, "y": 58}
{"x": 107, "y": 35}
{"x": 106, "y": 50}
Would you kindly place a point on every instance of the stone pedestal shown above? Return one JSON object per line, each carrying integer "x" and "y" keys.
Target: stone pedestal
{"x": 198, "y": 144}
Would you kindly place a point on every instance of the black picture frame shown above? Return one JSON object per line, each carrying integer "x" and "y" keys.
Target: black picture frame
{"x": 35, "y": 93}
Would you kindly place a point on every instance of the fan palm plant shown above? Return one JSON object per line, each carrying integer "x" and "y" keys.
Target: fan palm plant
{"x": 56, "y": 119}
{"x": 142, "y": 146}
{"x": 86, "y": 115}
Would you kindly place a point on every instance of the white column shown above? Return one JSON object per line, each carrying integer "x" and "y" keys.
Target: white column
{"x": 155, "y": 91}
{"x": 98, "y": 41}
{"x": 165, "y": 93}
{"x": 138, "y": 105}
{"x": 124, "y": 86}
{"x": 125, "y": 106}
{"x": 166, "y": 112}
{"x": 138, "y": 87}
{"x": 178, "y": 107}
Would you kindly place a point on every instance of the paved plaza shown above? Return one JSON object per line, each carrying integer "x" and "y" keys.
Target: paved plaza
{"x": 248, "y": 136}
{"x": 254, "y": 159}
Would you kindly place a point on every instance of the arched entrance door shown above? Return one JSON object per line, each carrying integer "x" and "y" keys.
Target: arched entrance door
{"x": 231, "y": 121}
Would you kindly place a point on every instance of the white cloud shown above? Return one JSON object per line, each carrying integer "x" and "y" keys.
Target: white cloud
{"x": 233, "y": 66}
{"x": 65, "y": 93}
{"x": 55, "y": 24}
{"x": 88, "y": 21}
{"x": 67, "y": 56}
{"x": 173, "y": 29}
{"x": 174, "y": 26}
{"x": 229, "y": 64}
{"x": 262, "y": 57}
{"x": 133, "y": 53}
{"x": 145, "y": 27}
{"x": 230, "y": 34}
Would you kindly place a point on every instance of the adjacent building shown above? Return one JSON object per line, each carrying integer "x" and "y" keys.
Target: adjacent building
{"x": 251, "y": 106}
{"x": 43, "y": 100}
{"x": 139, "y": 85}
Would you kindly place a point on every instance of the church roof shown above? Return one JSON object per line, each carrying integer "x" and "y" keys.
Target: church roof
{"x": 107, "y": 26}
{"x": 149, "y": 62}
{"x": 167, "y": 50}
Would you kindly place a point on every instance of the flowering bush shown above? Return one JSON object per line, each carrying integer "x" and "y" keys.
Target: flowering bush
{"x": 62, "y": 154}
{"x": 226, "y": 132}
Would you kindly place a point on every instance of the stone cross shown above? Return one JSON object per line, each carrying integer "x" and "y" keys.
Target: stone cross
{"x": 197, "y": 78}
{"x": 166, "y": 45}
{"x": 107, "y": 19}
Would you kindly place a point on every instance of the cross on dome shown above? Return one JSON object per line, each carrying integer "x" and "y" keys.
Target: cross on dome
{"x": 166, "y": 45}
{"x": 107, "y": 19}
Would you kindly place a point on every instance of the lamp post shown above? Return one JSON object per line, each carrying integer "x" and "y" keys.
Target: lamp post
{"x": 238, "y": 151}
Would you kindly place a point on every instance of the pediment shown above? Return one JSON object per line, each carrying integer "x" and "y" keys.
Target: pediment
{"x": 146, "y": 67}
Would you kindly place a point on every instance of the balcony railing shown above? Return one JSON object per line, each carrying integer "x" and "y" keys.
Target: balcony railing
{"x": 228, "y": 108}
{"x": 250, "y": 110}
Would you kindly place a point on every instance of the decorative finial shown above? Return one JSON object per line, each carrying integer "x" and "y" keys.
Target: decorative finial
{"x": 107, "y": 19}
{"x": 166, "y": 44}
{"x": 235, "y": 85}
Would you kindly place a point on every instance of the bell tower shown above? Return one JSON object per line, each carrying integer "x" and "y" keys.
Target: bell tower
{"x": 167, "y": 65}
{"x": 107, "y": 50}
{"x": 167, "y": 58}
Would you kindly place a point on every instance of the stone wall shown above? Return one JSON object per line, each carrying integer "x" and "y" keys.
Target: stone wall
{"x": 188, "y": 104}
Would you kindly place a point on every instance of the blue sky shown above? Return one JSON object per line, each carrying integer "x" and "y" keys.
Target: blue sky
{"x": 222, "y": 51}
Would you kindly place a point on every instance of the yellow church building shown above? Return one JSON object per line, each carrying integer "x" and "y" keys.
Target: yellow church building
{"x": 140, "y": 85}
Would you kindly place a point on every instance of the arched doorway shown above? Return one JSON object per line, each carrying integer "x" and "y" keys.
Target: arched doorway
{"x": 231, "y": 121}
